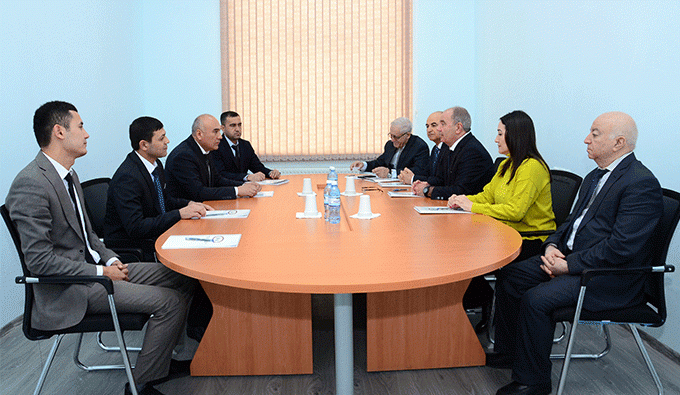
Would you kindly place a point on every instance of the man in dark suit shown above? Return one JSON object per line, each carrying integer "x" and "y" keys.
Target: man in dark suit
{"x": 407, "y": 176}
{"x": 619, "y": 205}
{"x": 235, "y": 156}
{"x": 465, "y": 167}
{"x": 46, "y": 204}
{"x": 403, "y": 150}
{"x": 138, "y": 208}
{"x": 192, "y": 171}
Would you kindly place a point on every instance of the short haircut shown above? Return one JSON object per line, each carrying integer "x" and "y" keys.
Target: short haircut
{"x": 143, "y": 128}
{"x": 198, "y": 124}
{"x": 48, "y": 115}
{"x": 463, "y": 116}
{"x": 403, "y": 123}
{"x": 227, "y": 114}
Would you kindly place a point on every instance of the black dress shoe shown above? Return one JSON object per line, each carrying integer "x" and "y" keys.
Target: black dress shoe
{"x": 144, "y": 389}
{"x": 178, "y": 367}
{"x": 516, "y": 388}
{"x": 498, "y": 360}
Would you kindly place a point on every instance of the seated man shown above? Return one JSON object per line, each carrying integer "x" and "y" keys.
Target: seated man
{"x": 46, "y": 204}
{"x": 407, "y": 176}
{"x": 192, "y": 172}
{"x": 235, "y": 156}
{"x": 404, "y": 150}
{"x": 618, "y": 207}
{"x": 138, "y": 207}
{"x": 465, "y": 167}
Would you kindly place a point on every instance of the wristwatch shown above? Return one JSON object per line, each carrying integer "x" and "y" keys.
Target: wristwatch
{"x": 426, "y": 190}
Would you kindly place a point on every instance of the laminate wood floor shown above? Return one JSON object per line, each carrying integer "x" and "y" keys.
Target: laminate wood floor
{"x": 621, "y": 372}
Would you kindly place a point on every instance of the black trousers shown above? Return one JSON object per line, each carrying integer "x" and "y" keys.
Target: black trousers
{"x": 525, "y": 299}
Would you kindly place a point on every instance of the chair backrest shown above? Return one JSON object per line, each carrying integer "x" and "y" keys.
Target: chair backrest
{"x": 95, "y": 193}
{"x": 497, "y": 163}
{"x": 28, "y": 300}
{"x": 563, "y": 188}
{"x": 658, "y": 246}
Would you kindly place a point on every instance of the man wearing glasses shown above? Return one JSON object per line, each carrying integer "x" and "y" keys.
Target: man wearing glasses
{"x": 403, "y": 150}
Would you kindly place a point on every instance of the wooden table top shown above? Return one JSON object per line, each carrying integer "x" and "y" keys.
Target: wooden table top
{"x": 398, "y": 250}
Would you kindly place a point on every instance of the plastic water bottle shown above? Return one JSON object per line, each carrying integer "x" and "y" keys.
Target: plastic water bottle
{"x": 334, "y": 203}
{"x": 332, "y": 174}
{"x": 326, "y": 198}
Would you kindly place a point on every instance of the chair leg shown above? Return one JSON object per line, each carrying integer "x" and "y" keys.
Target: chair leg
{"x": 121, "y": 343}
{"x": 648, "y": 360}
{"x": 94, "y": 368}
{"x": 104, "y": 347}
{"x": 46, "y": 368}
{"x": 605, "y": 351}
{"x": 570, "y": 343}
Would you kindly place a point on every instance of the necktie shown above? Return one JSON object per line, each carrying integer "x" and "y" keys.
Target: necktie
{"x": 159, "y": 188}
{"x": 72, "y": 192}
{"x": 588, "y": 193}
{"x": 433, "y": 159}
{"x": 207, "y": 164}
{"x": 238, "y": 156}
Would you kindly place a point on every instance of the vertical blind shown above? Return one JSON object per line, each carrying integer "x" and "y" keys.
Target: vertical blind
{"x": 316, "y": 79}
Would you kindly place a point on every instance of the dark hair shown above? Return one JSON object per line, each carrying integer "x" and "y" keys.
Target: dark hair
{"x": 48, "y": 115}
{"x": 520, "y": 137}
{"x": 228, "y": 114}
{"x": 143, "y": 128}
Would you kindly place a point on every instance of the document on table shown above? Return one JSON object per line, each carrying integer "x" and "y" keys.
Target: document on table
{"x": 201, "y": 241}
{"x": 221, "y": 214}
{"x": 392, "y": 184}
{"x": 265, "y": 194}
{"x": 439, "y": 210}
{"x": 273, "y": 182}
{"x": 408, "y": 194}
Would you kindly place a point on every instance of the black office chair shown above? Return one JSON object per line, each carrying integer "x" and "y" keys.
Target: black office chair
{"x": 90, "y": 323}
{"x": 95, "y": 194}
{"x": 651, "y": 312}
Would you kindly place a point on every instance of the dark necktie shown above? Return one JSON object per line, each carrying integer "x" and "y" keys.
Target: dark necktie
{"x": 433, "y": 159}
{"x": 207, "y": 165}
{"x": 588, "y": 193}
{"x": 238, "y": 156}
{"x": 159, "y": 188}
{"x": 72, "y": 192}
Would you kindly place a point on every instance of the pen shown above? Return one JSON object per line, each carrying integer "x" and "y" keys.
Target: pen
{"x": 400, "y": 189}
{"x": 196, "y": 239}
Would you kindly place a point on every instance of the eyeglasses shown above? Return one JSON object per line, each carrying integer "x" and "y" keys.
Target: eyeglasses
{"x": 393, "y": 137}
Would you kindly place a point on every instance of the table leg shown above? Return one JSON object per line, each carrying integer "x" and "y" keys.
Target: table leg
{"x": 344, "y": 345}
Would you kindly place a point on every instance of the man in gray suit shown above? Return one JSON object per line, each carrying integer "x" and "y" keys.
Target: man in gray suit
{"x": 46, "y": 204}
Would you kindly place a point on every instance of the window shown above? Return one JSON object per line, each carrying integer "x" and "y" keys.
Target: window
{"x": 316, "y": 79}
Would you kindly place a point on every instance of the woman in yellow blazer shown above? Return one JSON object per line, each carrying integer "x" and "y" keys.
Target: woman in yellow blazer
{"x": 519, "y": 193}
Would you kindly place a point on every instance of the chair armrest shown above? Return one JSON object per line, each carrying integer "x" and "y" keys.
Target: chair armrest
{"x": 103, "y": 280}
{"x": 532, "y": 233}
{"x": 588, "y": 274}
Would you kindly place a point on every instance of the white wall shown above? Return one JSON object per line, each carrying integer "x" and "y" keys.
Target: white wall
{"x": 563, "y": 62}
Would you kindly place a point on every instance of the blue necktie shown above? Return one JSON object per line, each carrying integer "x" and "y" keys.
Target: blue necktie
{"x": 159, "y": 188}
{"x": 588, "y": 193}
{"x": 433, "y": 158}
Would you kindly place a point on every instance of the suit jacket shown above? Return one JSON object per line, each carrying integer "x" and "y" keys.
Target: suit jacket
{"x": 432, "y": 165}
{"x": 414, "y": 156}
{"x": 613, "y": 233}
{"x": 226, "y": 161}
{"x": 52, "y": 242}
{"x": 132, "y": 209}
{"x": 463, "y": 171}
{"x": 188, "y": 178}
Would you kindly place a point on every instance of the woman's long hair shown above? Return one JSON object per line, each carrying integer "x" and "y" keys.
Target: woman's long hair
{"x": 520, "y": 137}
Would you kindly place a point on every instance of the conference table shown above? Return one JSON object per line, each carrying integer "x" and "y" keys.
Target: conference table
{"x": 413, "y": 267}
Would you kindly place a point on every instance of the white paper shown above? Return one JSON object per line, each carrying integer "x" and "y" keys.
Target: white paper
{"x": 273, "y": 182}
{"x": 361, "y": 216}
{"x": 201, "y": 241}
{"x": 303, "y": 215}
{"x": 265, "y": 194}
{"x": 402, "y": 194}
{"x": 222, "y": 214}
{"x": 439, "y": 210}
{"x": 394, "y": 184}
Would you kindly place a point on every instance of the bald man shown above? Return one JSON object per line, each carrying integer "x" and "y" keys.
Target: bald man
{"x": 431, "y": 126}
{"x": 618, "y": 207}
{"x": 191, "y": 168}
